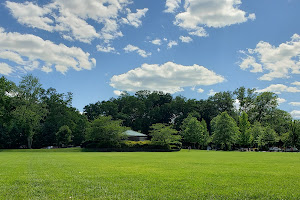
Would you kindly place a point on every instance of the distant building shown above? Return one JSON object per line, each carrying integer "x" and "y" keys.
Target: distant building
{"x": 135, "y": 136}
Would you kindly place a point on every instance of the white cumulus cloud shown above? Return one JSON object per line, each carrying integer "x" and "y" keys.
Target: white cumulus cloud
{"x": 277, "y": 62}
{"x": 5, "y": 69}
{"x": 168, "y": 77}
{"x": 297, "y": 83}
{"x": 295, "y": 103}
{"x": 295, "y": 114}
{"x": 186, "y": 39}
{"x": 172, "y": 43}
{"x": 200, "y": 90}
{"x": 156, "y": 42}
{"x": 71, "y": 17}
{"x": 278, "y": 88}
{"x": 106, "y": 49}
{"x": 210, "y": 13}
{"x": 30, "y": 50}
{"x": 141, "y": 52}
{"x": 280, "y": 100}
{"x": 134, "y": 19}
{"x": 211, "y": 92}
{"x": 172, "y": 5}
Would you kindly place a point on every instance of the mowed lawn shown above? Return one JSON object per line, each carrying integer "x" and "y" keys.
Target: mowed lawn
{"x": 50, "y": 174}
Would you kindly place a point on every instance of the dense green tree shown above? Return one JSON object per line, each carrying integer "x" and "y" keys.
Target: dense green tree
{"x": 244, "y": 125}
{"x": 106, "y": 131}
{"x": 30, "y": 109}
{"x": 245, "y": 98}
{"x": 225, "y": 131}
{"x": 292, "y": 137}
{"x": 267, "y": 139}
{"x": 193, "y": 131}
{"x": 256, "y": 130}
{"x": 7, "y": 95}
{"x": 263, "y": 106}
{"x": 63, "y": 136}
{"x": 163, "y": 134}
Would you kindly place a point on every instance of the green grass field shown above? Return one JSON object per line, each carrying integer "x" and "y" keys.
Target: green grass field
{"x": 52, "y": 174}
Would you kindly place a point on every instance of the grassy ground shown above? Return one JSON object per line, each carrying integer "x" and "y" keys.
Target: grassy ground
{"x": 51, "y": 174}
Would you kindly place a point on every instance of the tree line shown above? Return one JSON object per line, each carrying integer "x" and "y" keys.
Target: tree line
{"x": 34, "y": 117}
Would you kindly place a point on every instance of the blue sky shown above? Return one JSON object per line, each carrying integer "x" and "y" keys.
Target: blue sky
{"x": 99, "y": 48}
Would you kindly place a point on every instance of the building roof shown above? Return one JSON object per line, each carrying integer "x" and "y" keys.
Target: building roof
{"x": 132, "y": 133}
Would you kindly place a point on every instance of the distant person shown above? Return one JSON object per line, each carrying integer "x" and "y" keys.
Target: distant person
{"x": 189, "y": 148}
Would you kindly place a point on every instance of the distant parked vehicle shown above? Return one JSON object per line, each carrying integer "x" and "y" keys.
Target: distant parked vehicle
{"x": 274, "y": 149}
{"x": 291, "y": 149}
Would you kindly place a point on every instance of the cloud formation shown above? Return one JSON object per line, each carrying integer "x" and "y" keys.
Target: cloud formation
{"x": 172, "y": 43}
{"x": 5, "y": 69}
{"x": 186, "y": 39}
{"x": 278, "y": 62}
{"x": 172, "y": 5}
{"x": 70, "y": 17}
{"x": 295, "y": 114}
{"x": 156, "y": 42}
{"x": 278, "y": 88}
{"x": 207, "y": 13}
{"x": 29, "y": 51}
{"x": 169, "y": 77}
{"x": 295, "y": 103}
{"x": 141, "y": 52}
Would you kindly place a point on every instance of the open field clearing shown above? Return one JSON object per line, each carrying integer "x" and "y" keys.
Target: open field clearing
{"x": 51, "y": 174}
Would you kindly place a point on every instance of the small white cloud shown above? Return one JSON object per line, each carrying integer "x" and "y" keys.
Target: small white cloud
{"x": 12, "y": 56}
{"x": 252, "y": 16}
{"x": 172, "y": 43}
{"x": 158, "y": 49}
{"x": 200, "y": 90}
{"x": 295, "y": 103}
{"x": 280, "y": 100}
{"x": 131, "y": 48}
{"x": 46, "y": 69}
{"x": 134, "y": 19}
{"x": 165, "y": 39}
{"x": 200, "y": 32}
{"x": 156, "y": 42}
{"x": 251, "y": 62}
{"x": 295, "y": 114}
{"x": 172, "y": 5}
{"x": 297, "y": 83}
{"x": 106, "y": 49}
{"x": 278, "y": 88}
{"x": 117, "y": 92}
{"x": 5, "y": 69}
{"x": 185, "y": 39}
{"x": 169, "y": 77}
{"x": 211, "y": 92}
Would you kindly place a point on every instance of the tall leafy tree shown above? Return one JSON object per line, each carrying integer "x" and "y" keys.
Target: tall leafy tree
{"x": 63, "y": 136}
{"x": 164, "y": 134}
{"x": 7, "y": 96}
{"x": 225, "y": 131}
{"x": 267, "y": 139}
{"x": 30, "y": 110}
{"x": 263, "y": 106}
{"x": 193, "y": 131}
{"x": 245, "y": 97}
{"x": 244, "y": 125}
{"x": 105, "y": 131}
